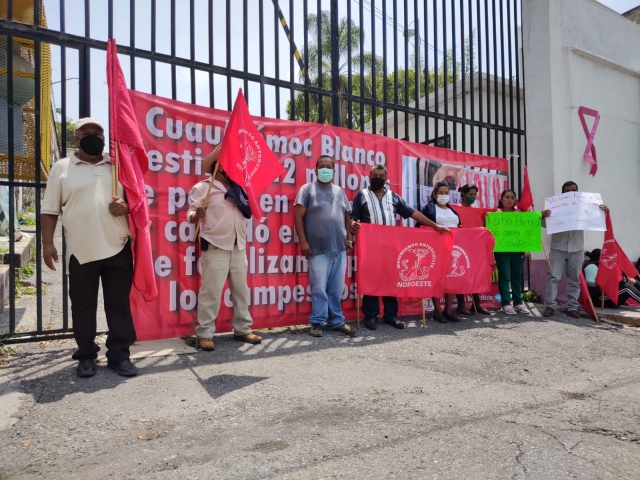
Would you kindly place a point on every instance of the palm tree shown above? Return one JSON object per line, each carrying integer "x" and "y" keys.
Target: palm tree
{"x": 320, "y": 66}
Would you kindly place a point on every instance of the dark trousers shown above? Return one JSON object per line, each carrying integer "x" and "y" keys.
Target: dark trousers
{"x": 510, "y": 276}
{"x": 371, "y": 306}
{"x": 116, "y": 274}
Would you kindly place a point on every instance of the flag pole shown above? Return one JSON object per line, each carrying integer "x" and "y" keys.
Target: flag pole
{"x": 206, "y": 199}
{"x": 357, "y": 308}
{"x": 424, "y": 315}
{"x": 473, "y": 301}
{"x": 114, "y": 172}
{"x": 602, "y": 302}
{"x": 545, "y": 254}
{"x": 593, "y": 309}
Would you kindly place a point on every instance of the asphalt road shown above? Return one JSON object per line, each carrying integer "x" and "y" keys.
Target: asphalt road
{"x": 520, "y": 398}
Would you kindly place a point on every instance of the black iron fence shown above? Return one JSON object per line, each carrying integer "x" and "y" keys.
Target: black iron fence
{"x": 442, "y": 72}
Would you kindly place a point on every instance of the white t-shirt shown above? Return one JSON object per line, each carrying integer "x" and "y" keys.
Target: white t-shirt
{"x": 446, "y": 217}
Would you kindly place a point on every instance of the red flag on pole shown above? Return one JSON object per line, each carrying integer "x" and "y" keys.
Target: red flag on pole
{"x": 246, "y": 157}
{"x": 132, "y": 163}
{"x": 471, "y": 260}
{"x": 526, "y": 198}
{"x": 584, "y": 299}
{"x": 609, "y": 272}
{"x": 472, "y": 217}
{"x": 626, "y": 265}
{"x": 402, "y": 262}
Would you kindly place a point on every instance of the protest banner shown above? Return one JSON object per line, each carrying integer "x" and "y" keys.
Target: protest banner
{"x": 575, "y": 211}
{"x": 401, "y": 262}
{"x": 177, "y": 136}
{"x": 516, "y": 231}
{"x": 471, "y": 261}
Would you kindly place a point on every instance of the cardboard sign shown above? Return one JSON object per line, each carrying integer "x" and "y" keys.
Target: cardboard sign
{"x": 516, "y": 231}
{"x": 575, "y": 211}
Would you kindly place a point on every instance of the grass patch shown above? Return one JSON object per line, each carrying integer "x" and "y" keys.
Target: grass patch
{"x": 28, "y": 270}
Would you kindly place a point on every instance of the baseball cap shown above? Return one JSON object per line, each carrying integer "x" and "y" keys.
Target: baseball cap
{"x": 87, "y": 121}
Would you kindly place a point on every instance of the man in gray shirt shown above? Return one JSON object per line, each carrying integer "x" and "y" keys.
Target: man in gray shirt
{"x": 323, "y": 225}
{"x": 567, "y": 248}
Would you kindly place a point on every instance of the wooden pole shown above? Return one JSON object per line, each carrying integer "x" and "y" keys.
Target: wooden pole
{"x": 545, "y": 255}
{"x": 602, "y": 297}
{"x": 206, "y": 199}
{"x": 424, "y": 313}
{"x": 114, "y": 172}
{"x": 358, "y": 310}
{"x": 473, "y": 301}
{"x": 593, "y": 309}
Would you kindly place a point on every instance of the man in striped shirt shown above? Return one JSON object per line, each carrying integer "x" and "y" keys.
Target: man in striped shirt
{"x": 377, "y": 204}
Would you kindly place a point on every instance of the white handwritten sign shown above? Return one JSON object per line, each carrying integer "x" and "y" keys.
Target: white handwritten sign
{"x": 575, "y": 211}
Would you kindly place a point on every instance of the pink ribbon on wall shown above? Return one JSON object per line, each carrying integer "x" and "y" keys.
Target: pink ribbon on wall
{"x": 590, "y": 151}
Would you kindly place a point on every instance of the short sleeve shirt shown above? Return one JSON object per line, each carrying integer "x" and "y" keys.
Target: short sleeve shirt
{"x": 324, "y": 219}
{"x": 80, "y": 193}
{"x": 362, "y": 210}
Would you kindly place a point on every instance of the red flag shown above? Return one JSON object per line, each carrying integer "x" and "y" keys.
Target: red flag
{"x": 132, "y": 165}
{"x": 472, "y": 217}
{"x": 402, "y": 262}
{"x": 584, "y": 299}
{"x": 626, "y": 265}
{"x": 471, "y": 261}
{"x": 609, "y": 273}
{"x": 246, "y": 157}
{"x": 526, "y": 198}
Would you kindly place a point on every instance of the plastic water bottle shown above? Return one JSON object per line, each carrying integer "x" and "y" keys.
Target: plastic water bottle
{"x": 497, "y": 297}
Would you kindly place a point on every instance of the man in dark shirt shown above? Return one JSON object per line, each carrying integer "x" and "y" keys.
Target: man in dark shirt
{"x": 377, "y": 204}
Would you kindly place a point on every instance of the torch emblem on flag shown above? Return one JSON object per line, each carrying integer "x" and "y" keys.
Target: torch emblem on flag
{"x": 458, "y": 260}
{"x": 609, "y": 256}
{"x": 252, "y": 154}
{"x": 411, "y": 263}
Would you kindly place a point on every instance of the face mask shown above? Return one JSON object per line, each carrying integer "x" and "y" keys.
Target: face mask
{"x": 377, "y": 183}
{"x": 92, "y": 145}
{"x": 443, "y": 199}
{"x": 470, "y": 199}
{"x": 325, "y": 175}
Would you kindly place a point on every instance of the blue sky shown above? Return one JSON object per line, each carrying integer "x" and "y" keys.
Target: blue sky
{"x": 74, "y": 19}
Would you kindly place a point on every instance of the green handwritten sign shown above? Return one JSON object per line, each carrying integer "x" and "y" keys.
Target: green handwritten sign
{"x": 516, "y": 231}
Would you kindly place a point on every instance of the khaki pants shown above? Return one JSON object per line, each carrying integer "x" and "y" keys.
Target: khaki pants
{"x": 218, "y": 266}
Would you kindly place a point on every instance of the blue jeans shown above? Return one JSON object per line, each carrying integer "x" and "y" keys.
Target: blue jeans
{"x": 326, "y": 278}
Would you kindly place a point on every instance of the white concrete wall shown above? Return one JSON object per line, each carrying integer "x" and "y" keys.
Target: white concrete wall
{"x": 580, "y": 53}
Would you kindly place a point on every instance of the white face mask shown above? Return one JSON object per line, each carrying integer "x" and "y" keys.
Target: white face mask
{"x": 443, "y": 199}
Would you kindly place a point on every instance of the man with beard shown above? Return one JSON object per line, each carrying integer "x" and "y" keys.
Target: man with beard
{"x": 377, "y": 204}
{"x": 79, "y": 191}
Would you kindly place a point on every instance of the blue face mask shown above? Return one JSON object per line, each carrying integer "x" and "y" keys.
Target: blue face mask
{"x": 325, "y": 175}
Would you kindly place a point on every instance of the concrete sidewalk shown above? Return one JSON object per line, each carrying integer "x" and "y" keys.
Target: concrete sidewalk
{"x": 499, "y": 397}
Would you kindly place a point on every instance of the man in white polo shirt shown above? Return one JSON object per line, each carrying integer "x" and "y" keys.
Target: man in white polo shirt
{"x": 79, "y": 191}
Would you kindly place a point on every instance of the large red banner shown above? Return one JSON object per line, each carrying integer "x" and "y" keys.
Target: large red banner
{"x": 177, "y": 136}
{"x": 402, "y": 262}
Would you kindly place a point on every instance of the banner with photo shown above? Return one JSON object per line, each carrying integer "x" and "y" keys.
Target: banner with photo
{"x": 177, "y": 136}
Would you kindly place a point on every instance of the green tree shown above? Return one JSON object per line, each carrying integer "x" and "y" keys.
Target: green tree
{"x": 367, "y": 65}
{"x": 70, "y": 128}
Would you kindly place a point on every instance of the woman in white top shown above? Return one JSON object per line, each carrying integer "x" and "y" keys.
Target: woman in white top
{"x": 439, "y": 211}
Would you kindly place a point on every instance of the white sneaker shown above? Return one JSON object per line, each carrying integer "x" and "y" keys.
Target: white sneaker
{"x": 509, "y": 310}
{"x": 521, "y": 309}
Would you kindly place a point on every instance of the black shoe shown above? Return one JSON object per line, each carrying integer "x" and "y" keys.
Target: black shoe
{"x": 123, "y": 368}
{"x": 394, "y": 323}
{"x": 440, "y": 318}
{"x": 86, "y": 368}
{"x": 451, "y": 317}
{"x": 371, "y": 323}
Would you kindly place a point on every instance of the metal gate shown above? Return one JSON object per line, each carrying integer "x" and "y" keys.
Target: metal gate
{"x": 441, "y": 72}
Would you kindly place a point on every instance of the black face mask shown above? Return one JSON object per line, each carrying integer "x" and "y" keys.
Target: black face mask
{"x": 377, "y": 183}
{"x": 92, "y": 145}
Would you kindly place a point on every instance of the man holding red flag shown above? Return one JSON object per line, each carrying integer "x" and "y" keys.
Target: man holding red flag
{"x": 377, "y": 204}
{"x": 98, "y": 248}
